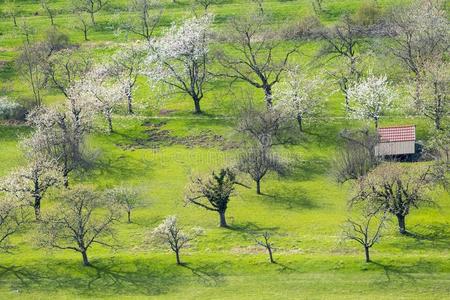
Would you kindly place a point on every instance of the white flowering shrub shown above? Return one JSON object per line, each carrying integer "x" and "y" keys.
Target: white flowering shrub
{"x": 10, "y": 109}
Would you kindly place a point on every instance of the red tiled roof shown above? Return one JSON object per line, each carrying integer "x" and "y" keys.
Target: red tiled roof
{"x": 397, "y": 133}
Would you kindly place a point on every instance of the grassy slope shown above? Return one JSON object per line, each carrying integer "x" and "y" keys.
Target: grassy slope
{"x": 305, "y": 209}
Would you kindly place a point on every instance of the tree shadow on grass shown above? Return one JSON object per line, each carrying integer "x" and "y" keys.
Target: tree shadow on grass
{"x": 207, "y": 274}
{"x": 24, "y": 277}
{"x": 303, "y": 170}
{"x": 434, "y": 236}
{"x": 118, "y": 168}
{"x": 425, "y": 237}
{"x": 292, "y": 198}
{"x": 251, "y": 228}
{"x": 103, "y": 278}
{"x": 394, "y": 273}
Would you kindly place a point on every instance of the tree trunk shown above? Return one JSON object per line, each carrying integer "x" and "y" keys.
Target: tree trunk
{"x": 438, "y": 110}
{"x": 15, "y": 21}
{"x": 177, "y": 254}
{"x": 376, "y": 122}
{"x": 268, "y": 95}
{"x": 129, "y": 216}
{"x": 110, "y": 127}
{"x": 85, "y": 258}
{"x": 270, "y": 255}
{"x": 197, "y": 105}
{"x": 51, "y": 18}
{"x": 130, "y": 101}
{"x": 300, "y": 122}
{"x": 37, "y": 208}
{"x": 401, "y": 223}
{"x": 258, "y": 187}
{"x": 223, "y": 220}
{"x": 366, "y": 251}
{"x": 66, "y": 180}
{"x": 92, "y": 18}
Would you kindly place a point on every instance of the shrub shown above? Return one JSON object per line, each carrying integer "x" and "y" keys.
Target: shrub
{"x": 11, "y": 110}
{"x": 308, "y": 28}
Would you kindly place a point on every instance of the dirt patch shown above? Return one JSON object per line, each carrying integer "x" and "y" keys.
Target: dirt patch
{"x": 160, "y": 137}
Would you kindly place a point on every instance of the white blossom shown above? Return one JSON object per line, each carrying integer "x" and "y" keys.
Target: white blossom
{"x": 371, "y": 98}
{"x": 179, "y": 59}
{"x": 299, "y": 96}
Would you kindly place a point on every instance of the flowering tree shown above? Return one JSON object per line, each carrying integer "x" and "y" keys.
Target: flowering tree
{"x": 30, "y": 183}
{"x": 102, "y": 92}
{"x": 59, "y": 134}
{"x": 126, "y": 67}
{"x": 299, "y": 97}
{"x": 370, "y": 98}
{"x": 169, "y": 233}
{"x": 179, "y": 59}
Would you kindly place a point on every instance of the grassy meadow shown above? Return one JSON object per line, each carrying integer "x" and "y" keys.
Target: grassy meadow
{"x": 304, "y": 209}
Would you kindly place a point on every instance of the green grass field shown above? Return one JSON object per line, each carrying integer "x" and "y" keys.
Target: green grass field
{"x": 304, "y": 210}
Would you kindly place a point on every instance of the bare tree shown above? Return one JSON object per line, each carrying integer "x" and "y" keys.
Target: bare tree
{"x": 12, "y": 217}
{"x": 206, "y": 3}
{"x": 252, "y": 56}
{"x": 438, "y": 147}
{"x": 180, "y": 58}
{"x": 317, "y": 6}
{"x": 149, "y": 15}
{"x": 90, "y": 6}
{"x": 267, "y": 244}
{"x": 75, "y": 224}
{"x": 434, "y": 88}
{"x": 169, "y": 233}
{"x": 357, "y": 157}
{"x": 66, "y": 67}
{"x": 216, "y": 190}
{"x": 366, "y": 230}
{"x": 257, "y": 162}
{"x": 47, "y": 7}
{"x": 343, "y": 42}
{"x": 265, "y": 127}
{"x": 11, "y": 9}
{"x": 83, "y": 23}
{"x": 31, "y": 64}
{"x": 395, "y": 189}
{"x": 126, "y": 198}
